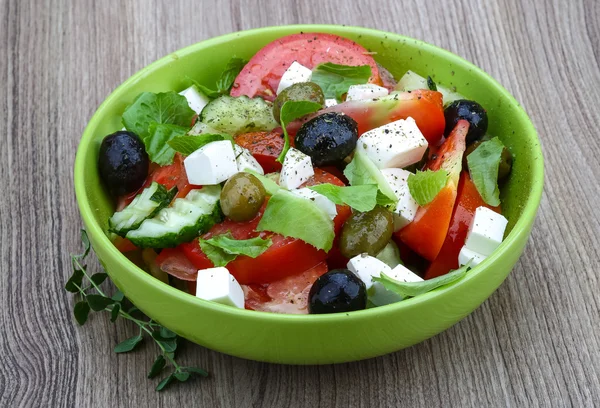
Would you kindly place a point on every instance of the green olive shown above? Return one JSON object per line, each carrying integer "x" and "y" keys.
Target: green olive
{"x": 303, "y": 91}
{"x": 242, "y": 196}
{"x": 505, "y": 160}
{"x": 366, "y": 232}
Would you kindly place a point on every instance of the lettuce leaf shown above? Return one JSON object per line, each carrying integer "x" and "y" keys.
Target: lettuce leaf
{"x": 361, "y": 170}
{"x": 290, "y": 111}
{"x": 223, "y": 249}
{"x": 425, "y": 185}
{"x": 189, "y": 144}
{"x": 157, "y": 142}
{"x": 483, "y": 167}
{"x": 297, "y": 217}
{"x": 361, "y": 198}
{"x": 335, "y": 79}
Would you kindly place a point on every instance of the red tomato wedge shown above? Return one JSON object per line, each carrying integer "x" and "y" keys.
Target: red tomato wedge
{"x": 425, "y": 107}
{"x": 261, "y": 75}
{"x": 287, "y": 295}
{"x": 468, "y": 199}
{"x": 174, "y": 262}
{"x": 426, "y": 234}
{"x": 264, "y": 146}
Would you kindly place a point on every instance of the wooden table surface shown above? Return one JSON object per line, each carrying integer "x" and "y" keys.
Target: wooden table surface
{"x": 535, "y": 342}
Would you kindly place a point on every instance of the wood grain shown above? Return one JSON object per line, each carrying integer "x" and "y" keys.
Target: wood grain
{"x": 535, "y": 342}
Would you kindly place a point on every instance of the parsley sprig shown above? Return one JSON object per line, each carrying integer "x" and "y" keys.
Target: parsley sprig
{"x": 87, "y": 288}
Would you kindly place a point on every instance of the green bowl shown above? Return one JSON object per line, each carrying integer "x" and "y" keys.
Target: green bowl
{"x": 315, "y": 339}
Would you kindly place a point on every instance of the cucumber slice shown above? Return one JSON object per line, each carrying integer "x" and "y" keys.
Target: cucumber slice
{"x": 186, "y": 219}
{"x": 390, "y": 255}
{"x": 411, "y": 81}
{"x": 238, "y": 115}
{"x": 145, "y": 205}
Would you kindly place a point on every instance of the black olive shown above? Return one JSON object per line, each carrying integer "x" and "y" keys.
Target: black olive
{"x": 337, "y": 291}
{"x": 328, "y": 138}
{"x": 123, "y": 162}
{"x": 470, "y": 111}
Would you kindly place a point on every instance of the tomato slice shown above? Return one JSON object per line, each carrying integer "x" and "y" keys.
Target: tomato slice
{"x": 287, "y": 295}
{"x": 264, "y": 146}
{"x": 425, "y": 107}
{"x": 174, "y": 262}
{"x": 426, "y": 234}
{"x": 261, "y": 75}
{"x": 467, "y": 201}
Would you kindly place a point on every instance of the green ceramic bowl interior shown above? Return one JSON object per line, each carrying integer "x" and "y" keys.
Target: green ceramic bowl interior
{"x": 315, "y": 339}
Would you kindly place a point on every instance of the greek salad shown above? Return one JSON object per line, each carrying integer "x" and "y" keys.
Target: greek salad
{"x": 306, "y": 180}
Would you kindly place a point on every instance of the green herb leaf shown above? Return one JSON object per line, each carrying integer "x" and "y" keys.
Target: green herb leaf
{"x": 361, "y": 198}
{"x": 195, "y": 370}
{"x": 182, "y": 376}
{"x": 335, "y": 79}
{"x": 157, "y": 143}
{"x": 425, "y": 185}
{"x": 296, "y": 217}
{"x": 483, "y": 163}
{"x": 86, "y": 243}
{"x": 81, "y": 312}
{"x": 114, "y": 313}
{"x": 361, "y": 170}
{"x": 189, "y": 144}
{"x": 157, "y": 366}
{"x": 212, "y": 94}
{"x": 166, "y": 381}
{"x": 74, "y": 281}
{"x": 166, "y": 333}
{"x": 170, "y": 345}
{"x": 98, "y": 302}
{"x": 411, "y": 289}
{"x": 118, "y": 296}
{"x": 128, "y": 345}
{"x": 223, "y": 249}
{"x": 290, "y": 111}
{"x": 162, "y": 108}
{"x": 231, "y": 71}
{"x": 430, "y": 84}
{"x": 98, "y": 278}
{"x": 270, "y": 186}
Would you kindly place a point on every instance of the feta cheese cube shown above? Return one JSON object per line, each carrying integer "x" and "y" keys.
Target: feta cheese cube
{"x": 465, "y": 255}
{"x": 195, "y": 98}
{"x": 407, "y": 207}
{"x": 295, "y": 74}
{"x": 397, "y": 144}
{"x": 218, "y": 285}
{"x": 320, "y": 200}
{"x": 330, "y": 102}
{"x": 211, "y": 164}
{"x": 366, "y": 267}
{"x": 245, "y": 160}
{"x": 486, "y": 231}
{"x": 297, "y": 168}
{"x": 380, "y": 296}
{"x": 365, "y": 91}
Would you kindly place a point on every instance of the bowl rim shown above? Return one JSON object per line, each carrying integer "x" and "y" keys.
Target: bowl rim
{"x": 518, "y": 232}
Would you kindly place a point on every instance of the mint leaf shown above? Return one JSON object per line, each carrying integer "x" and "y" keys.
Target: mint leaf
{"x": 361, "y": 170}
{"x": 157, "y": 147}
{"x": 335, "y": 79}
{"x": 189, "y": 144}
{"x": 361, "y": 198}
{"x": 297, "y": 217}
{"x": 270, "y": 186}
{"x": 223, "y": 249}
{"x": 290, "y": 111}
{"x": 411, "y": 289}
{"x": 166, "y": 107}
{"x": 231, "y": 71}
{"x": 212, "y": 94}
{"x": 425, "y": 185}
{"x": 483, "y": 167}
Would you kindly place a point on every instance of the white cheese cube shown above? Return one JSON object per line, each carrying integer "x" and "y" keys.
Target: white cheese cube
{"x": 295, "y": 74}
{"x": 486, "y": 231}
{"x": 465, "y": 255}
{"x": 297, "y": 168}
{"x": 366, "y": 267}
{"x": 365, "y": 91}
{"x": 218, "y": 285}
{"x": 380, "y": 296}
{"x": 211, "y": 164}
{"x": 245, "y": 160}
{"x": 407, "y": 207}
{"x": 330, "y": 102}
{"x": 397, "y": 144}
{"x": 195, "y": 98}
{"x": 320, "y": 200}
